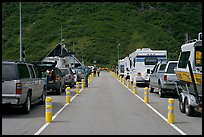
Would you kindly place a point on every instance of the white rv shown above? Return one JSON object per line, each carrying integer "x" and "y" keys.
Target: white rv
{"x": 143, "y": 61}
{"x": 127, "y": 68}
{"x": 121, "y": 67}
{"x": 61, "y": 62}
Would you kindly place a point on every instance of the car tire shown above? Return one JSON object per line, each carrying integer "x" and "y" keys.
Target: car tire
{"x": 188, "y": 108}
{"x": 161, "y": 92}
{"x": 59, "y": 90}
{"x": 26, "y": 106}
{"x": 151, "y": 89}
{"x": 43, "y": 97}
{"x": 181, "y": 106}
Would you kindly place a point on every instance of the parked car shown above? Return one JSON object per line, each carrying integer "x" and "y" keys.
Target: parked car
{"x": 55, "y": 81}
{"x": 68, "y": 77}
{"x": 163, "y": 77}
{"x": 75, "y": 75}
{"x": 21, "y": 86}
{"x": 80, "y": 74}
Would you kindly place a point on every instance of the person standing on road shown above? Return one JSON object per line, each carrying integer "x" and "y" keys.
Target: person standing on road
{"x": 98, "y": 72}
{"x": 86, "y": 75}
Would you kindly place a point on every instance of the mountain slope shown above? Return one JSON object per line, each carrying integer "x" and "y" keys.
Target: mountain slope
{"x": 96, "y": 28}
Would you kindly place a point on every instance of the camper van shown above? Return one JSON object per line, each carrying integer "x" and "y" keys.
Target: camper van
{"x": 143, "y": 61}
{"x": 61, "y": 62}
{"x": 189, "y": 74}
{"x": 121, "y": 67}
{"x": 127, "y": 68}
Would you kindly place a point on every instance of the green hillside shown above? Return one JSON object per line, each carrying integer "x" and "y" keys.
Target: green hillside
{"x": 98, "y": 27}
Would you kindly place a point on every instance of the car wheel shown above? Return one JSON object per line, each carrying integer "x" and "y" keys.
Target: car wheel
{"x": 26, "y": 106}
{"x": 188, "y": 108}
{"x": 59, "y": 90}
{"x": 43, "y": 97}
{"x": 161, "y": 92}
{"x": 151, "y": 89}
{"x": 181, "y": 106}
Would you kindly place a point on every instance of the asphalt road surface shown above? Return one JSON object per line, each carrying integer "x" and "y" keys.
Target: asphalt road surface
{"x": 106, "y": 107}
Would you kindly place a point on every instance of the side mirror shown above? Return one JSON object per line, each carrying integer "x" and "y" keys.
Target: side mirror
{"x": 148, "y": 71}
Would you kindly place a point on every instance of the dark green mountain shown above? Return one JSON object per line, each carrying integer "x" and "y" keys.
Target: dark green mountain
{"x": 96, "y": 28}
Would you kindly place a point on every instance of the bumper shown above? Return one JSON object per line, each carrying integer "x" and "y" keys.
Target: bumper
{"x": 13, "y": 101}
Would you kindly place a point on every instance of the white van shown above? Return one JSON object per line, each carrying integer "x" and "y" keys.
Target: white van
{"x": 121, "y": 67}
{"x": 143, "y": 61}
{"x": 127, "y": 68}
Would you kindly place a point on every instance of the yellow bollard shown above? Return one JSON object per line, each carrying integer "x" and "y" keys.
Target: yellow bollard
{"x": 120, "y": 79}
{"x": 134, "y": 88}
{"x": 68, "y": 95}
{"x": 77, "y": 87}
{"x": 128, "y": 83}
{"x": 89, "y": 79}
{"x": 146, "y": 95}
{"x": 171, "y": 110}
{"x": 48, "y": 110}
{"x": 123, "y": 80}
{"x": 82, "y": 84}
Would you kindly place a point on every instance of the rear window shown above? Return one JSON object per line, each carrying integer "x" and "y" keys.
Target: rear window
{"x": 64, "y": 71}
{"x": 9, "y": 72}
{"x": 162, "y": 67}
{"x": 171, "y": 67}
{"x": 23, "y": 71}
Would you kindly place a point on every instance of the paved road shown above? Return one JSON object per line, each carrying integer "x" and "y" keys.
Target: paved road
{"x": 106, "y": 108}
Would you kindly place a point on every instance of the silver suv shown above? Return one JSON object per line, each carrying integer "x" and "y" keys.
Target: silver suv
{"x": 21, "y": 86}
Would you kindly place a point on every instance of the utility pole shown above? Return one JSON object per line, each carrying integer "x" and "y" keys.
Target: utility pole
{"x": 83, "y": 56}
{"x": 118, "y": 50}
{"x": 20, "y": 36}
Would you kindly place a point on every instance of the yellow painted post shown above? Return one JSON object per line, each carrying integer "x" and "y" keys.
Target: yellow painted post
{"x": 77, "y": 87}
{"x": 123, "y": 80}
{"x": 128, "y": 83}
{"x": 134, "y": 88}
{"x": 48, "y": 110}
{"x": 82, "y": 84}
{"x": 89, "y": 79}
{"x": 120, "y": 79}
{"x": 68, "y": 95}
{"x": 171, "y": 110}
{"x": 146, "y": 95}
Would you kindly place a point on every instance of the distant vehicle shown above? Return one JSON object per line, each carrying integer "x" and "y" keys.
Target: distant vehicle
{"x": 68, "y": 77}
{"x": 55, "y": 81}
{"x": 80, "y": 74}
{"x": 163, "y": 78}
{"x": 142, "y": 61}
{"x": 53, "y": 76}
{"x": 75, "y": 75}
{"x": 60, "y": 61}
{"x": 127, "y": 68}
{"x": 21, "y": 86}
{"x": 121, "y": 68}
{"x": 189, "y": 73}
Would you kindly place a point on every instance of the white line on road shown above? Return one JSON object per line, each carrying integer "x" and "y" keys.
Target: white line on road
{"x": 174, "y": 126}
{"x": 46, "y": 124}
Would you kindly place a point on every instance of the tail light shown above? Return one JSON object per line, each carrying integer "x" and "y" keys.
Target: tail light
{"x": 18, "y": 88}
{"x": 57, "y": 77}
{"x": 165, "y": 77}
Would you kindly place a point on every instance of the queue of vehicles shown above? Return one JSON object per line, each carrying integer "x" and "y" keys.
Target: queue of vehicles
{"x": 183, "y": 77}
{"x": 24, "y": 84}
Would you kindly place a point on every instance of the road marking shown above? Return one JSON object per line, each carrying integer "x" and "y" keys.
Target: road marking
{"x": 174, "y": 126}
{"x": 56, "y": 114}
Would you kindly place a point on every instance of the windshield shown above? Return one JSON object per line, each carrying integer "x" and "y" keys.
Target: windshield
{"x": 9, "y": 72}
